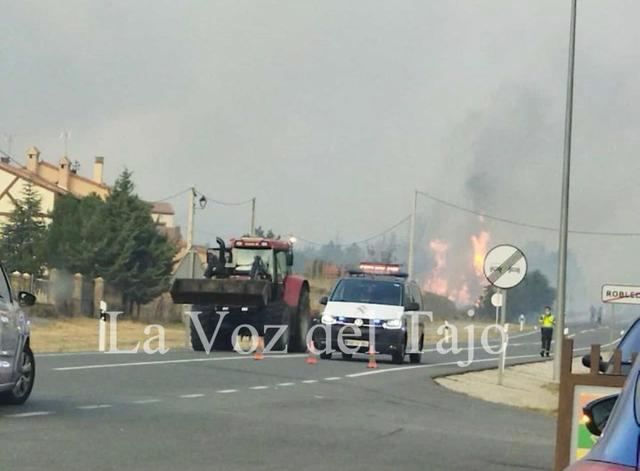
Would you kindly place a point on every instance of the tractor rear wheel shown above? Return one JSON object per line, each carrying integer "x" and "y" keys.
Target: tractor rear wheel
{"x": 277, "y": 314}
{"x": 299, "y": 323}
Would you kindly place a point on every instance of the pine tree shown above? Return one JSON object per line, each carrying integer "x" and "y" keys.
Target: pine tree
{"x": 75, "y": 233}
{"x": 23, "y": 236}
{"x": 132, "y": 255}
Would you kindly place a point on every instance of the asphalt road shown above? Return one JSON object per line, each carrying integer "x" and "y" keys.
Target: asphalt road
{"x": 188, "y": 411}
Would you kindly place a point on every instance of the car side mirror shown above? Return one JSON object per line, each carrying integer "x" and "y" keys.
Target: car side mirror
{"x": 412, "y": 307}
{"x": 324, "y": 300}
{"x": 26, "y": 299}
{"x": 596, "y": 413}
{"x": 586, "y": 362}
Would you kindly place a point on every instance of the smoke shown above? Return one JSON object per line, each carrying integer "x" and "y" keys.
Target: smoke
{"x": 502, "y": 151}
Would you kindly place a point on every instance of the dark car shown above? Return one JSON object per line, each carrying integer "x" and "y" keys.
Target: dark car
{"x": 619, "y": 447}
{"x": 628, "y": 345}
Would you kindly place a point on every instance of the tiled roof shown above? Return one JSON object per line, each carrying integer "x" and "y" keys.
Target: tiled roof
{"x": 37, "y": 180}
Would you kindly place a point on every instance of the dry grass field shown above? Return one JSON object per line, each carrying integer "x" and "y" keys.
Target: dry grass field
{"x": 81, "y": 334}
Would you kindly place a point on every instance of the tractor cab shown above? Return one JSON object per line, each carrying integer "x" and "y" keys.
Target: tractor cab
{"x": 251, "y": 257}
{"x": 261, "y": 258}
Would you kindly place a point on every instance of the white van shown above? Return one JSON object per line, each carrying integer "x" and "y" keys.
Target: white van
{"x": 375, "y": 307}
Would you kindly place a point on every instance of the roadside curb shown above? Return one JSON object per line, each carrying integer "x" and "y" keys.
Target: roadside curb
{"x": 479, "y": 368}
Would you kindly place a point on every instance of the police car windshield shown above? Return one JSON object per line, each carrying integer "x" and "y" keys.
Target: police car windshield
{"x": 360, "y": 290}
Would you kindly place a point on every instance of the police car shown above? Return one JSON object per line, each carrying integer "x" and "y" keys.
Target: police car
{"x": 373, "y": 310}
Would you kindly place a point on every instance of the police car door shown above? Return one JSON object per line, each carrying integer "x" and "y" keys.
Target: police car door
{"x": 8, "y": 329}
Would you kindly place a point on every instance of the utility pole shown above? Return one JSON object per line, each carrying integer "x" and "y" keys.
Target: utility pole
{"x": 190, "y": 224}
{"x": 412, "y": 235}
{"x": 252, "y": 233}
{"x": 564, "y": 212}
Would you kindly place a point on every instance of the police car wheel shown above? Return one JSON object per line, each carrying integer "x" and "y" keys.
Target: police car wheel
{"x": 397, "y": 357}
{"x": 417, "y": 357}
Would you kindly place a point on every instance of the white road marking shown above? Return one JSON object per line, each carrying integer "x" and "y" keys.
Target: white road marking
{"x": 147, "y": 401}
{"x": 227, "y": 391}
{"x": 285, "y": 384}
{"x": 191, "y": 396}
{"x": 24, "y": 415}
{"x": 517, "y": 336}
{"x": 433, "y": 365}
{"x": 169, "y": 362}
{"x": 309, "y": 381}
{"x": 333, "y": 378}
{"x": 465, "y": 349}
{"x": 259, "y": 388}
{"x": 94, "y": 407}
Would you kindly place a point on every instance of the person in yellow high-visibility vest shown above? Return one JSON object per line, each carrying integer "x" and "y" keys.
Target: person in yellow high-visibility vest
{"x": 547, "y": 320}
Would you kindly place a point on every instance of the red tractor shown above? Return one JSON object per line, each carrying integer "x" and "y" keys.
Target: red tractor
{"x": 249, "y": 283}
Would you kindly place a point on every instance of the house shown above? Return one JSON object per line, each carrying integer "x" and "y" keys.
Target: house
{"x": 50, "y": 181}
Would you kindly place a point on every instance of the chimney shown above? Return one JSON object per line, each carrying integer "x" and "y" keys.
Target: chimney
{"x": 98, "y": 169}
{"x": 33, "y": 159}
{"x": 63, "y": 173}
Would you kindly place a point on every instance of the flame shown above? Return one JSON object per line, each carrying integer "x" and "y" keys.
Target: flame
{"x": 459, "y": 290}
{"x": 436, "y": 283}
{"x": 461, "y": 296}
{"x": 479, "y": 243}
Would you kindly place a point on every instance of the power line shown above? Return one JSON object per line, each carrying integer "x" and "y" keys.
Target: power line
{"x": 209, "y": 199}
{"x": 361, "y": 241}
{"x": 523, "y": 224}
{"x": 10, "y": 157}
{"x": 227, "y": 203}
{"x": 175, "y": 195}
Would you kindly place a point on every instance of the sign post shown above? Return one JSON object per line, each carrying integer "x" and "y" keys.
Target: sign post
{"x": 505, "y": 266}
{"x": 496, "y": 300}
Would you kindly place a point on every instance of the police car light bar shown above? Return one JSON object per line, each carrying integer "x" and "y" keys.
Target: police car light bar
{"x": 380, "y": 268}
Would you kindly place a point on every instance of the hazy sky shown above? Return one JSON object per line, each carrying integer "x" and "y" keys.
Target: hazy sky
{"x": 332, "y": 112}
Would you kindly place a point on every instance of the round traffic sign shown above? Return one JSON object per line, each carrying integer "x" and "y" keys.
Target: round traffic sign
{"x": 496, "y": 300}
{"x": 505, "y": 266}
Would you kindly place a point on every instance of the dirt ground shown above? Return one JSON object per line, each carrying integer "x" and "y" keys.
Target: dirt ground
{"x": 526, "y": 386}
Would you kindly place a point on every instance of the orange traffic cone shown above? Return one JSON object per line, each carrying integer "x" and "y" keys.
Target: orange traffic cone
{"x": 372, "y": 358}
{"x": 311, "y": 357}
{"x": 258, "y": 355}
